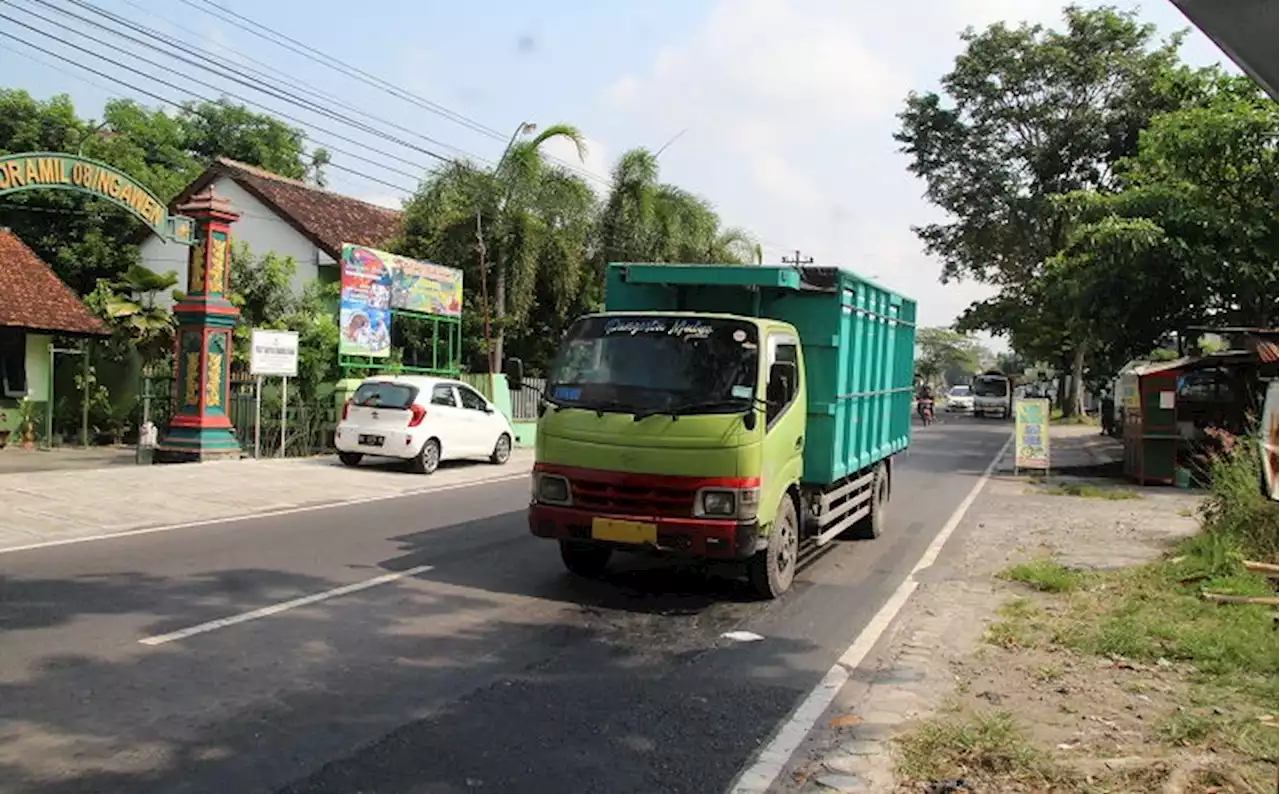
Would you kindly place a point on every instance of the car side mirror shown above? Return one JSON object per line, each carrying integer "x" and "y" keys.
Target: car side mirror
{"x": 488, "y": 408}
{"x": 514, "y": 370}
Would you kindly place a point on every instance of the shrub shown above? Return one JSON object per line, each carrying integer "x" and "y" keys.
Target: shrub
{"x": 1236, "y": 507}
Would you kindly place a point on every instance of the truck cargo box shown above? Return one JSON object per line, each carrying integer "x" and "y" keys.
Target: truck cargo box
{"x": 858, "y": 340}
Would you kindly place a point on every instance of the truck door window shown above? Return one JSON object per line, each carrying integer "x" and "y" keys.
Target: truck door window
{"x": 782, "y": 387}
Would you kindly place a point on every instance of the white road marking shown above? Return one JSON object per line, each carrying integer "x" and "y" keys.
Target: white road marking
{"x": 742, "y": 636}
{"x": 764, "y": 769}
{"x": 283, "y": 606}
{"x": 284, "y": 511}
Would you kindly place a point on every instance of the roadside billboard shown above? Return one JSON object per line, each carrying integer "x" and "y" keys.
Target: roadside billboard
{"x": 377, "y": 283}
{"x": 365, "y": 305}
{"x": 1031, "y": 434}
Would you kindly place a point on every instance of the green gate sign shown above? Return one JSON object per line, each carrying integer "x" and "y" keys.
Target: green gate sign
{"x": 59, "y": 171}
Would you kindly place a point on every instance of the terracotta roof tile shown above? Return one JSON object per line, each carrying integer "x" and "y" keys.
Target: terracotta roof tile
{"x": 327, "y": 219}
{"x": 33, "y": 297}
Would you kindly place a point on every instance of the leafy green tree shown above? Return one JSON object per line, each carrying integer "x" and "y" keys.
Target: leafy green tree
{"x": 86, "y": 239}
{"x": 1031, "y": 115}
{"x": 946, "y": 354}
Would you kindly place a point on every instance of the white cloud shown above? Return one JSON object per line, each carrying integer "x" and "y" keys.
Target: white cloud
{"x": 596, "y": 164}
{"x": 790, "y": 107}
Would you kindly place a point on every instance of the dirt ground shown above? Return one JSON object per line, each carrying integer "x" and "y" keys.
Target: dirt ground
{"x": 1024, "y": 718}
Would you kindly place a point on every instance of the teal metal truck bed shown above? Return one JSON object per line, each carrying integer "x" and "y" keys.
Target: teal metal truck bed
{"x": 858, "y": 341}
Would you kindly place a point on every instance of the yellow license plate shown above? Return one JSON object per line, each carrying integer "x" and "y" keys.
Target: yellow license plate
{"x": 624, "y": 531}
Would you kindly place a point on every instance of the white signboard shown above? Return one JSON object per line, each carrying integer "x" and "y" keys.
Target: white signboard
{"x": 274, "y": 353}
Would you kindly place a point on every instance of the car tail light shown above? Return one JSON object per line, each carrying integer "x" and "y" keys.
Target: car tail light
{"x": 346, "y": 406}
{"x": 419, "y": 413}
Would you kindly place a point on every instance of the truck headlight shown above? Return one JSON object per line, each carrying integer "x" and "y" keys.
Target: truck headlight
{"x": 740, "y": 503}
{"x": 551, "y": 489}
{"x": 719, "y": 503}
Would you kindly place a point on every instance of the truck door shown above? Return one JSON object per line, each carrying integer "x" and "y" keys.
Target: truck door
{"x": 784, "y": 420}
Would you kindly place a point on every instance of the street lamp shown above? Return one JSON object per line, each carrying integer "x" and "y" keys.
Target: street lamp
{"x": 85, "y": 138}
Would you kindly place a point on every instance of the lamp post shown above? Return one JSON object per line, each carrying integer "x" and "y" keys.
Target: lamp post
{"x": 85, "y": 138}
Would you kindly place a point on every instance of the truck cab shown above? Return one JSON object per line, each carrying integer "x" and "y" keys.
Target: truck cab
{"x": 682, "y": 422}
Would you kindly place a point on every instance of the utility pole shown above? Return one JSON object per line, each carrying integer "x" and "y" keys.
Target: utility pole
{"x": 798, "y": 261}
{"x": 484, "y": 293}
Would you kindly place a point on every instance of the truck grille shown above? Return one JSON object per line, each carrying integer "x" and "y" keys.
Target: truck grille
{"x": 622, "y": 498}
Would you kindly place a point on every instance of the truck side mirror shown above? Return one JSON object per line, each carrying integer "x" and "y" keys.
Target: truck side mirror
{"x": 514, "y": 370}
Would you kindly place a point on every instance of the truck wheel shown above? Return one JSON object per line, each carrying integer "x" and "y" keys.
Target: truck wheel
{"x": 587, "y": 560}
{"x": 771, "y": 571}
{"x": 871, "y": 525}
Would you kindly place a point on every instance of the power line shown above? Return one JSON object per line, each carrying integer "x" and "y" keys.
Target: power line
{"x": 234, "y": 74}
{"x": 207, "y": 84}
{"x": 326, "y": 59}
{"x": 183, "y": 107}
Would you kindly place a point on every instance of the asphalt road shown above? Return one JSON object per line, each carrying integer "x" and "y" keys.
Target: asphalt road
{"x": 493, "y": 670}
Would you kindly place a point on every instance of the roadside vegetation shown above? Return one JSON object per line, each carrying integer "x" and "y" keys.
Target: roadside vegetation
{"x": 1155, "y": 678}
{"x": 1090, "y": 491}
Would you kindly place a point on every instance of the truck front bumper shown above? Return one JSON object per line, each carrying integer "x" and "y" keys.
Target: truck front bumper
{"x": 696, "y": 537}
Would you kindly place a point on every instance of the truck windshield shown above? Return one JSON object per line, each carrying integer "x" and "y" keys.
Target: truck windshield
{"x": 991, "y": 387}
{"x": 656, "y": 364}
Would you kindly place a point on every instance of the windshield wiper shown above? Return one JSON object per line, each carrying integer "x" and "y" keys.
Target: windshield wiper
{"x": 603, "y": 406}
{"x": 676, "y": 411}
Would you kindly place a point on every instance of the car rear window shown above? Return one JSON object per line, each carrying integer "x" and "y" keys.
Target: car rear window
{"x": 382, "y": 394}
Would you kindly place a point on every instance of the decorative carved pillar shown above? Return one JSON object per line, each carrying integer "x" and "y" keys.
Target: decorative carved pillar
{"x": 200, "y": 424}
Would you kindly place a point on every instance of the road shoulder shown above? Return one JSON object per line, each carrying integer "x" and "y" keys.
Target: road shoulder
{"x": 45, "y": 508}
{"x": 929, "y": 653}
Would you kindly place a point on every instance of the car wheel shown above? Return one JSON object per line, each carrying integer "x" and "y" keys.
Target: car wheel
{"x": 350, "y": 458}
{"x": 588, "y": 560}
{"x": 772, "y": 570}
{"x": 501, "y": 450}
{"x": 428, "y": 458}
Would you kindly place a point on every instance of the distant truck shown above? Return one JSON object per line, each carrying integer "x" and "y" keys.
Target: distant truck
{"x": 993, "y": 394}
{"x": 723, "y": 412}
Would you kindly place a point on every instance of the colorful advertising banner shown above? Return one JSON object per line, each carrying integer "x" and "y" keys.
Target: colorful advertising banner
{"x": 364, "y": 319}
{"x": 425, "y": 287}
{"x": 1031, "y": 436}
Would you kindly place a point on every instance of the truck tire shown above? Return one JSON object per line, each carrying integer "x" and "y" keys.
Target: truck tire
{"x": 588, "y": 560}
{"x": 772, "y": 570}
{"x": 872, "y": 525}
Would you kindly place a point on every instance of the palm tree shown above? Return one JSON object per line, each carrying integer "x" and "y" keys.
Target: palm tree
{"x": 646, "y": 221}
{"x": 518, "y": 182}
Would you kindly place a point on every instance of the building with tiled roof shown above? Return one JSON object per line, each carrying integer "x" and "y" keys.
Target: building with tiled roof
{"x": 280, "y": 215}
{"x": 35, "y": 305}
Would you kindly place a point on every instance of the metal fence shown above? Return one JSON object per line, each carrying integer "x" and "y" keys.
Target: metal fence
{"x": 524, "y": 403}
{"x": 308, "y": 427}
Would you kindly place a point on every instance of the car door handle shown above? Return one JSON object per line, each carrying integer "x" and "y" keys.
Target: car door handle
{"x": 800, "y": 442}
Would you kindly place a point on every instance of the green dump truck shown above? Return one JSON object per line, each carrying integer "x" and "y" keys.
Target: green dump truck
{"x": 725, "y": 412}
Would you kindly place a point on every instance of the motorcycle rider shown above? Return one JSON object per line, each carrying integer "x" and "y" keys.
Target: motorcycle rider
{"x": 924, "y": 399}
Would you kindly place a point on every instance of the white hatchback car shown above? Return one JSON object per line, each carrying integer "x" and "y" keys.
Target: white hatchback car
{"x": 422, "y": 420}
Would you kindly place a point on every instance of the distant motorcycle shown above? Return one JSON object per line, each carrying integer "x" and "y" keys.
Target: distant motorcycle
{"x": 925, "y": 409}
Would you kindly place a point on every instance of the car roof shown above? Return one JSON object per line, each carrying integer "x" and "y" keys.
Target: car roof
{"x": 419, "y": 381}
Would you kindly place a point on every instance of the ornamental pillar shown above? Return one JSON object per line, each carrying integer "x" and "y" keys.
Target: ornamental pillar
{"x": 200, "y": 424}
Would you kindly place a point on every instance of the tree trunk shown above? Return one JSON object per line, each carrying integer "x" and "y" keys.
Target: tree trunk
{"x": 1075, "y": 401}
{"x": 1061, "y": 398}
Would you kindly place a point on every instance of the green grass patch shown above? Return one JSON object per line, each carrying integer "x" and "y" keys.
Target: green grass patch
{"x": 1236, "y": 508}
{"x": 1086, "y": 491}
{"x": 1155, "y": 614}
{"x": 1044, "y": 575}
{"x": 982, "y": 745}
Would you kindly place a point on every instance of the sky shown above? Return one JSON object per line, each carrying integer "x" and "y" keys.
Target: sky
{"x": 779, "y": 112}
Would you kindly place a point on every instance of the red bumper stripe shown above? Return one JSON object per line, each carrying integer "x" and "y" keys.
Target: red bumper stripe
{"x": 646, "y": 480}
